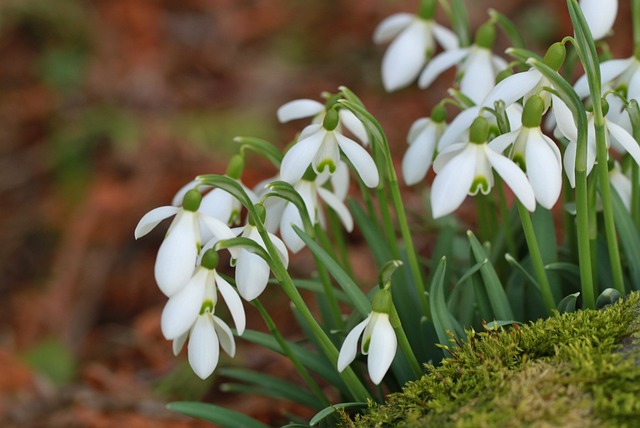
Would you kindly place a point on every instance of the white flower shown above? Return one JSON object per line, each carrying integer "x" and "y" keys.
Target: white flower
{"x": 178, "y": 252}
{"x": 206, "y": 336}
{"x": 379, "y": 342}
{"x": 615, "y": 73}
{"x": 182, "y": 309}
{"x": 600, "y": 16}
{"x": 568, "y": 128}
{"x": 466, "y": 168}
{"x": 413, "y": 46}
{"x": 536, "y": 153}
{"x": 311, "y": 193}
{"x": 302, "y": 108}
{"x": 477, "y": 66}
{"x": 423, "y": 139}
{"x": 252, "y": 271}
{"x": 320, "y": 147}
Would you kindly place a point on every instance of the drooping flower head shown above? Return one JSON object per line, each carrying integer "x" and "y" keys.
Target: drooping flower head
{"x": 423, "y": 139}
{"x": 600, "y": 16}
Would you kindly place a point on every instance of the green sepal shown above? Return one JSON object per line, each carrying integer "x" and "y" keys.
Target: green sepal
{"x": 210, "y": 259}
{"x": 235, "y": 167}
{"x": 555, "y": 56}
{"x": 486, "y": 36}
{"x": 533, "y": 111}
{"x": 191, "y": 201}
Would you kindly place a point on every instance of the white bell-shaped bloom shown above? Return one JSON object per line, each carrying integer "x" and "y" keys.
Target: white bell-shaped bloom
{"x": 477, "y": 66}
{"x": 312, "y": 191}
{"x": 252, "y": 271}
{"x": 413, "y": 44}
{"x": 321, "y": 147}
{"x": 304, "y": 108}
{"x": 466, "y": 168}
{"x": 207, "y": 335}
{"x": 178, "y": 252}
{"x": 423, "y": 138}
{"x": 536, "y": 153}
{"x": 600, "y": 16}
{"x": 615, "y": 73}
{"x": 182, "y": 309}
{"x": 379, "y": 343}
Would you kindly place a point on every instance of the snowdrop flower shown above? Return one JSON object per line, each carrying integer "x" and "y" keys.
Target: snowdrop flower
{"x": 320, "y": 146}
{"x": 536, "y": 153}
{"x": 252, "y": 271}
{"x": 528, "y": 83}
{"x": 613, "y": 132}
{"x": 423, "y": 141}
{"x": 413, "y": 44}
{"x": 621, "y": 183}
{"x": 379, "y": 340}
{"x": 477, "y": 66}
{"x": 302, "y": 108}
{"x": 311, "y": 191}
{"x": 616, "y": 73}
{"x": 600, "y": 16}
{"x": 466, "y": 168}
{"x": 178, "y": 252}
{"x": 182, "y": 310}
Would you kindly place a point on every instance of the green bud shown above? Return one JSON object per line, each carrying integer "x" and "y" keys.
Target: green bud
{"x": 479, "y": 131}
{"x": 191, "y": 201}
{"x": 605, "y": 107}
{"x": 555, "y": 56}
{"x": 427, "y": 9}
{"x": 382, "y": 301}
{"x": 331, "y": 119}
{"x": 486, "y": 36}
{"x": 533, "y": 111}
{"x": 235, "y": 167}
{"x": 210, "y": 259}
{"x": 262, "y": 214}
{"x": 439, "y": 114}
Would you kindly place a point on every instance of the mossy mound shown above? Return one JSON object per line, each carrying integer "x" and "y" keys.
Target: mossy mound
{"x": 575, "y": 370}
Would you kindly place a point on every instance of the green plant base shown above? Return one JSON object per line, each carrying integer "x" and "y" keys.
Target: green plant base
{"x": 578, "y": 369}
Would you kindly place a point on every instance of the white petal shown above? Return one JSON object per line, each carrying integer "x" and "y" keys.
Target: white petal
{"x": 391, "y": 26}
{"x": 416, "y": 129}
{"x": 354, "y": 125}
{"x": 458, "y": 127}
{"x": 225, "y": 336}
{"x": 233, "y": 302}
{"x": 177, "y": 255}
{"x": 298, "y": 109}
{"x": 513, "y": 87}
{"x": 281, "y": 249}
{"x": 338, "y": 206}
{"x": 622, "y": 186}
{"x": 564, "y": 119}
{"x": 406, "y": 56}
{"x": 625, "y": 140}
{"x": 183, "y": 308}
{"x": 447, "y": 154}
{"x": 252, "y": 275}
{"x": 514, "y": 177}
{"x": 361, "y": 160}
{"x": 479, "y": 77}
{"x": 299, "y": 157}
{"x": 447, "y": 38}
{"x": 382, "y": 349}
{"x": 350, "y": 346}
{"x": 440, "y": 63}
{"x": 220, "y": 231}
{"x": 219, "y": 204}
{"x": 502, "y": 142}
{"x": 179, "y": 196}
{"x": 204, "y": 349}
{"x": 633, "y": 93}
{"x": 544, "y": 169}
{"x": 152, "y": 219}
{"x": 291, "y": 216}
{"x": 178, "y": 343}
{"x": 452, "y": 184}
{"x": 340, "y": 181}
{"x": 419, "y": 155}
{"x": 599, "y": 15}
{"x": 569, "y": 162}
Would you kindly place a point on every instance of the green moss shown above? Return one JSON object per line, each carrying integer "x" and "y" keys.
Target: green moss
{"x": 574, "y": 370}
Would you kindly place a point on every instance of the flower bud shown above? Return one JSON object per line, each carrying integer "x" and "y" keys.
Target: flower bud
{"x": 532, "y": 113}
{"x": 486, "y": 36}
{"x": 236, "y": 166}
{"x": 438, "y": 114}
{"x": 210, "y": 259}
{"x": 262, "y": 214}
{"x": 555, "y": 56}
{"x": 191, "y": 201}
{"x": 427, "y": 9}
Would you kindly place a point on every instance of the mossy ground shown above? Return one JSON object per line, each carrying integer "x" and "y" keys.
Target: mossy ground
{"x": 574, "y": 370}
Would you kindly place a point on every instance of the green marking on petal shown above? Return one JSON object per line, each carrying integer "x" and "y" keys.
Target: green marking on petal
{"x": 518, "y": 159}
{"x": 365, "y": 345}
{"x": 481, "y": 184}
{"x": 327, "y": 163}
{"x": 207, "y": 306}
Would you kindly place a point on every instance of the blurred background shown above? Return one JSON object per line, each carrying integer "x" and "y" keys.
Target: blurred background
{"x": 107, "y": 107}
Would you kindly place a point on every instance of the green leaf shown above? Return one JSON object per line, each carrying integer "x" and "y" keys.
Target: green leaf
{"x": 492, "y": 285}
{"x": 286, "y": 191}
{"x": 231, "y": 186}
{"x": 443, "y": 321}
{"x": 358, "y": 298}
{"x": 332, "y": 409}
{"x": 218, "y": 415}
{"x": 508, "y": 27}
{"x": 262, "y": 147}
{"x": 52, "y": 359}
{"x": 495, "y": 325}
{"x": 523, "y": 55}
{"x": 513, "y": 262}
{"x": 629, "y": 239}
{"x": 374, "y": 237}
{"x": 568, "y": 304}
{"x": 316, "y": 287}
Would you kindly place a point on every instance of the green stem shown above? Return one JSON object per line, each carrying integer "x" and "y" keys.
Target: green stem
{"x": 405, "y": 346}
{"x": 460, "y": 22}
{"x": 337, "y": 233}
{"x": 389, "y": 229}
{"x": 635, "y": 193}
{"x": 325, "y": 279}
{"x": 536, "y": 259}
{"x": 635, "y": 13}
{"x": 304, "y": 373}
{"x": 504, "y": 214}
